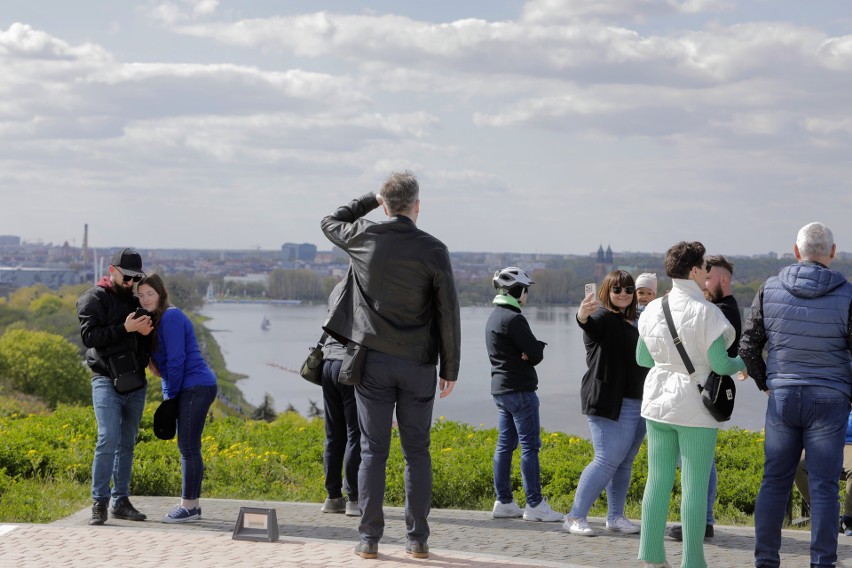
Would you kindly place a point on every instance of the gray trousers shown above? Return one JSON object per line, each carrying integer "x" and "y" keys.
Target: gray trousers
{"x": 393, "y": 382}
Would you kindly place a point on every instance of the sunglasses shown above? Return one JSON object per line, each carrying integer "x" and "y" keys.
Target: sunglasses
{"x": 618, "y": 289}
{"x": 128, "y": 278}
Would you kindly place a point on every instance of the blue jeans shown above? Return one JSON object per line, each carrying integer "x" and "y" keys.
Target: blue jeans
{"x": 118, "y": 417}
{"x": 519, "y": 422}
{"x": 342, "y": 435}
{"x": 616, "y": 443}
{"x": 712, "y": 489}
{"x": 194, "y": 404}
{"x": 814, "y": 419}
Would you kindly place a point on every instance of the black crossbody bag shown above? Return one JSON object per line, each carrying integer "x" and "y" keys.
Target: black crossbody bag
{"x": 719, "y": 391}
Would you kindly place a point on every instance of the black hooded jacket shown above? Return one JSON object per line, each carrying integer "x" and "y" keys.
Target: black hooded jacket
{"x": 102, "y": 311}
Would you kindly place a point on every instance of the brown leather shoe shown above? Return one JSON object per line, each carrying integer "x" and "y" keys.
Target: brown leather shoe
{"x": 417, "y": 549}
{"x": 367, "y": 550}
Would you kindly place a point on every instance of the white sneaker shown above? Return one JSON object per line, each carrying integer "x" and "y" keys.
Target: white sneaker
{"x": 542, "y": 512}
{"x": 578, "y": 526}
{"x": 622, "y": 525}
{"x": 506, "y": 510}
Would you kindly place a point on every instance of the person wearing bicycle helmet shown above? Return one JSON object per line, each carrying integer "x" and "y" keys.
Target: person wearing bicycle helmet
{"x": 514, "y": 352}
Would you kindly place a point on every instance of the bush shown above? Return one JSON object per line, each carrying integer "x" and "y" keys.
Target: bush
{"x": 282, "y": 460}
{"x": 44, "y": 365}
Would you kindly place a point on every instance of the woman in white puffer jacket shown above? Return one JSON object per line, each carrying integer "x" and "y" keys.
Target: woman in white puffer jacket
{"x": 678, "y": 424}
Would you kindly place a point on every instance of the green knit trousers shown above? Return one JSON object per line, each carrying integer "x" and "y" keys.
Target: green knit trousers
{"x": 696, "y": 448}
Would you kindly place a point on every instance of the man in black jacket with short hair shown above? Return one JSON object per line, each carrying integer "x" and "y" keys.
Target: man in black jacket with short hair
{"x": 108, "y": 328}
{"x": 401, "y": 304}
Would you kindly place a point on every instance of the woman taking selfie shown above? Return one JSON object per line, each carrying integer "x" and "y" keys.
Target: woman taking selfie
{"x": 611, "y": 394}
{"x": 177, "y": 360}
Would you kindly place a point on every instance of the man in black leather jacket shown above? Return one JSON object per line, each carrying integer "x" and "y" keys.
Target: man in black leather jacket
{"x": 401, "y": 304}
{"x": 108, "y": 328}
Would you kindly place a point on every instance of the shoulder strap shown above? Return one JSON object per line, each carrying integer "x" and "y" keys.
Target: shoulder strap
{"x": 678, "y": 343}
{"x": 322, "y": 339}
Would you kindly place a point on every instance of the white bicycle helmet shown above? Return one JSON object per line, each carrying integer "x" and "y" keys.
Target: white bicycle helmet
{"x": 510, "y": 277}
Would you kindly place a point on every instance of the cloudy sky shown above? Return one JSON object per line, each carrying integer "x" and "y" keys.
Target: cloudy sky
{"x": 547, "y": 126}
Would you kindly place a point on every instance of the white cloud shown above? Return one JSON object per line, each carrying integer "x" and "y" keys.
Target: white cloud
{"x": 574, "y": 51}
{"x": 836, "y": 53}
{"x": 549, "y": 11}
{"x": 571, "y": 102}
{"x": 204, "y": 7}
{"x": 169, "y": 13}
{"x": 53, "y": 89}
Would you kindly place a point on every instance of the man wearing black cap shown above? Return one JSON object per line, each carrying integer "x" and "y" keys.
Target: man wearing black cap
{"x": 109, "y": 329}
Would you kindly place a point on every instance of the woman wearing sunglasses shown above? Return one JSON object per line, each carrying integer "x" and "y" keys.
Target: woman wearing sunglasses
{"x": 611, "y": 394}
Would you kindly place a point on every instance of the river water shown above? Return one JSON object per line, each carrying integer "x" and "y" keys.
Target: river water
{"x": 271, "y": 358}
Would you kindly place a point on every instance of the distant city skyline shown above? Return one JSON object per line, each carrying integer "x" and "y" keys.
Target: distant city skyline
{"x": 549, "y": 126}
{"x": 109, "y": 249}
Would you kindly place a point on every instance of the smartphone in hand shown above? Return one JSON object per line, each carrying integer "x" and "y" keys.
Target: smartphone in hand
{"x": 592, "y": 289}
{"x": 141, "y": 312}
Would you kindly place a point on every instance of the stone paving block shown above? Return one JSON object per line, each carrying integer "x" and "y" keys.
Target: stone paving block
{"x": 308, "y": 538}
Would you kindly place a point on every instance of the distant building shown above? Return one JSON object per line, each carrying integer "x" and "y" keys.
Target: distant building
{"x": 603, "y": 263}
{"x": 292, "y": 253}
{"x": 13, "y": 277}
{"x": 10, "y": 241}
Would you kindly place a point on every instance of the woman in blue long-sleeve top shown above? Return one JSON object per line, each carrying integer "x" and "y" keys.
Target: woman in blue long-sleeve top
{"x": 177, "y": 359}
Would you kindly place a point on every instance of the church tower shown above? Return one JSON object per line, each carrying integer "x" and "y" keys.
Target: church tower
{"x": 604, "y": 263}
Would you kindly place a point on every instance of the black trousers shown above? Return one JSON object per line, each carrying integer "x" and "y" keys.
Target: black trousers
{"x": 342, "y": 435}
{"x": 393, "y": 383}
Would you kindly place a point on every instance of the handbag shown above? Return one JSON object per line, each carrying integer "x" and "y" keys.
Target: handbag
{"x": 718, "y": 392}
{"x": 352, "y": 367}
{"x": 311, "y": 369}
{"x": 125, "y": 374}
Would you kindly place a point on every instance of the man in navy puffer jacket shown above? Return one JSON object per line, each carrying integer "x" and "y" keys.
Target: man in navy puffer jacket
{"x": 802, "y": 317}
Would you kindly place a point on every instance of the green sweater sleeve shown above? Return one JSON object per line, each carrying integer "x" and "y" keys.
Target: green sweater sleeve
{"x": 717, "y": 356}
{"x": 643, "y": 356}
{"x": 721, "y": 364}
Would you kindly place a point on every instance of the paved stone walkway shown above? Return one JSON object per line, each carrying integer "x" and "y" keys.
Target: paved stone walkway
{"x": 309, "y": 538}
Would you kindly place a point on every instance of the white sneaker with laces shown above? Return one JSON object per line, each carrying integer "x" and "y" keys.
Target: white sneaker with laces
{"x": 578, "y": 526}
{"x": 622, "y": 525}
{"x": 542, "y": 512}
{"x": 506, "y": 510}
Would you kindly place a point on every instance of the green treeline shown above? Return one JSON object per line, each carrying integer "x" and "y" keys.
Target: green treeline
{"x": 558, "y": 280}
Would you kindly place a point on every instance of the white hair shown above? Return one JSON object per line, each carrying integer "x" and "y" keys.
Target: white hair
{"x": 814, "y": 241}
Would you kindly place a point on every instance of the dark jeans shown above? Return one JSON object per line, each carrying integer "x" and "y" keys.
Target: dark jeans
{"x": 194, "y": 404}
{"x": 797, "y": 418}
{"x": 393, "y": 382}
{"x": 342, "y": 434}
